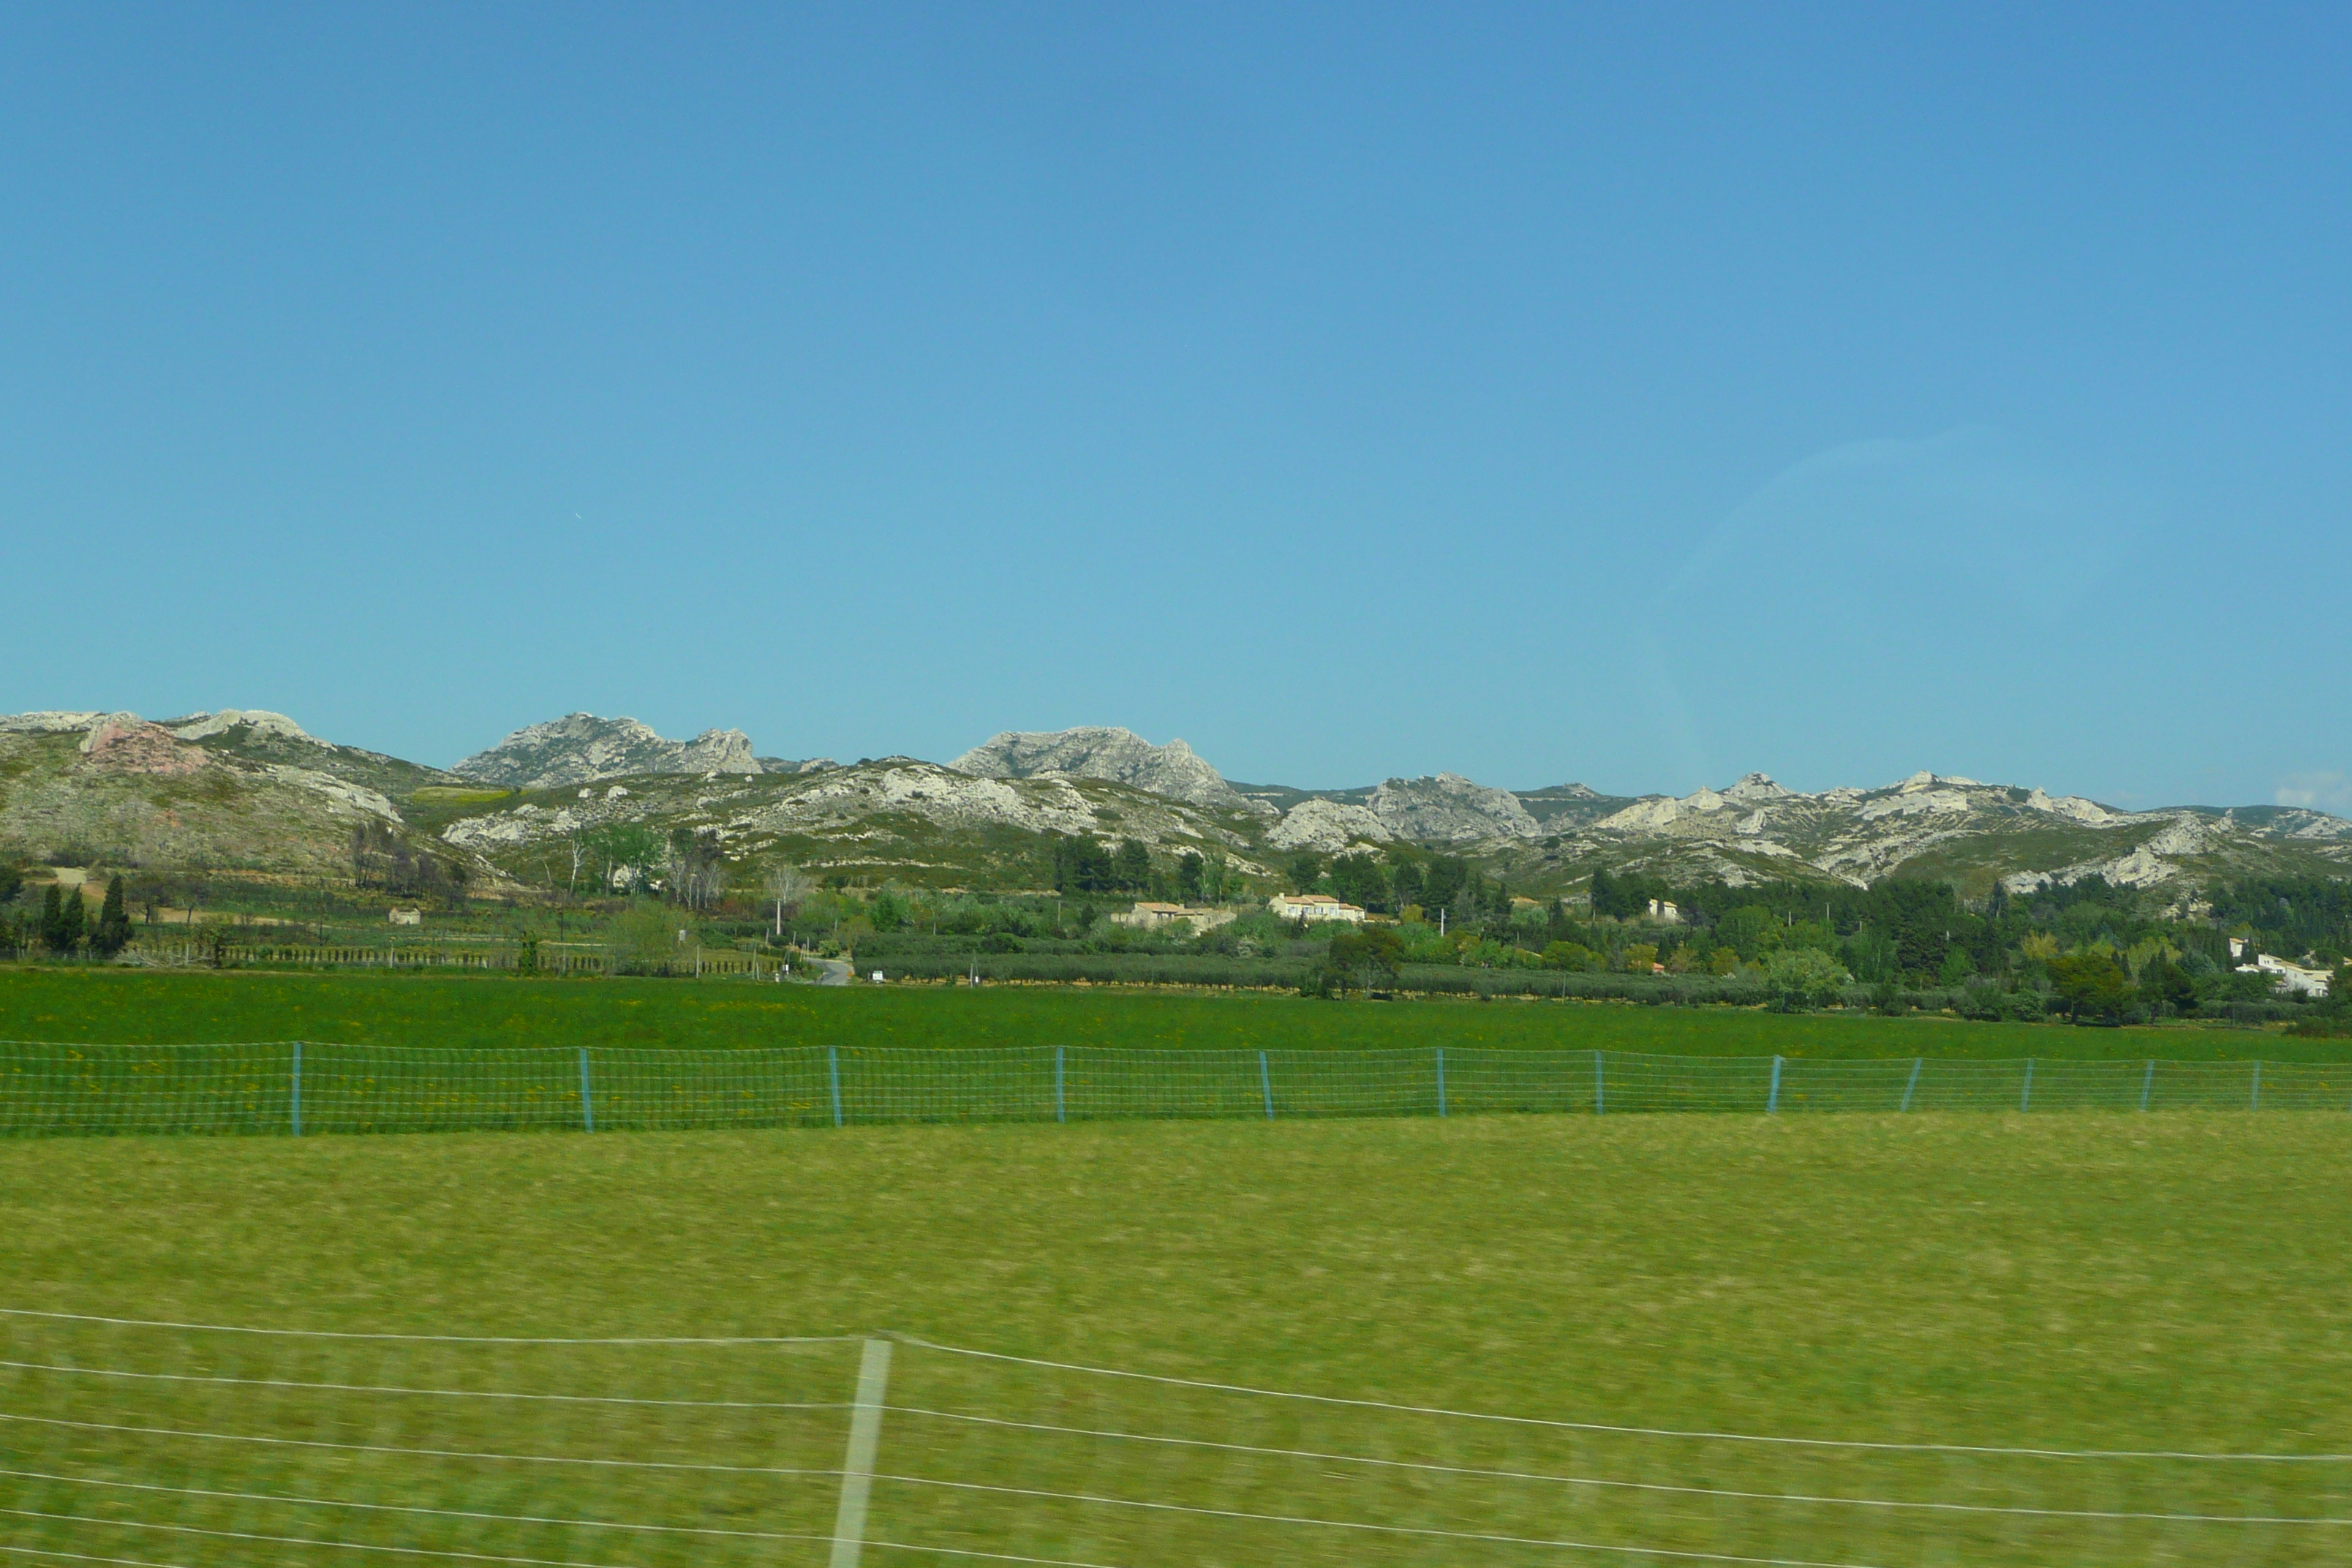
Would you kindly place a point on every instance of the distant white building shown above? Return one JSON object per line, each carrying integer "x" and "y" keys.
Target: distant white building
{"x": 408, "y": 917}
{"x": 1664, "y": 910}
{"x": 2288, "y": 976}
{"x": 1313, "y": 907}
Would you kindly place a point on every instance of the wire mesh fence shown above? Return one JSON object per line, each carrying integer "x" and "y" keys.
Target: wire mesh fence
{"x": 180, "y": 1446}
{"x": 304, "y": 1088}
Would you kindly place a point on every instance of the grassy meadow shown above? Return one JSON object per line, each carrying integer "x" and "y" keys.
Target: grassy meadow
{"x": 143, "y": 1007}
{"x": 2058, "y": 1281}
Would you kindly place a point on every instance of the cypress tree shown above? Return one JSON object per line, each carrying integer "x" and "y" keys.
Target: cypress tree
{"x": 53, "y": 919}
{"x": 113, "y": 933}
{"x": 71, "y": 920}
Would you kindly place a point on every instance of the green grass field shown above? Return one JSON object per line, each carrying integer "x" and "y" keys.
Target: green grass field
{"x": 149, "y": 1007}
{"x": 2171, "y": 1282}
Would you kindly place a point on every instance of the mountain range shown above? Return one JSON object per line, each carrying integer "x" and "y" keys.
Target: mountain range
{"x": 250, "y": 791}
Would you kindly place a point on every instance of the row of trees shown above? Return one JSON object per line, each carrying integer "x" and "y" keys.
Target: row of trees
{"x": 64, "y": 926}
{"x": 1082, "y": 864}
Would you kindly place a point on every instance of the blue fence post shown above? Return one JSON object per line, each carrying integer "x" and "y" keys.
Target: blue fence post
{"x": 1599, "y": 1088}
{"x": 294, "y": 1100}
{"x": 2025, "y": 1099}
{"x": 1266, "y": 1083}
{"x": 1912, "y": 1087}
{"x": 1441, "y": 1080}
{"x": 587, "y": 1104}
{"x": 2147, "y": 1083}
{"x": 1059, "y": 1114}
{"x": 832, "y": 1067}
{"x": 2257, "y": 1104}
{"x": 1772, "y": 1100}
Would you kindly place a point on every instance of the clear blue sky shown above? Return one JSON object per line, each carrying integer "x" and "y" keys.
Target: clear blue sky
{"x": 1633, "y": 395}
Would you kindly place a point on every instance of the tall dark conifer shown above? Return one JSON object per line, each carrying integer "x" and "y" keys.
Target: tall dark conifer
{"x": 113, "y": 932}
{"x": 71, "y": 918}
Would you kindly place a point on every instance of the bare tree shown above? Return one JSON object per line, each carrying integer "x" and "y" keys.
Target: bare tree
{"x": 785, "y": 884}
{"x": 579, "y": 853}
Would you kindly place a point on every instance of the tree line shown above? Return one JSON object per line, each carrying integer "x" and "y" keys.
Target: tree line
{"x": 63, "y": 925}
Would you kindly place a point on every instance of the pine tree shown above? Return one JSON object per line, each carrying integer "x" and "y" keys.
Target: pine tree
{"x": 113, "y": 932}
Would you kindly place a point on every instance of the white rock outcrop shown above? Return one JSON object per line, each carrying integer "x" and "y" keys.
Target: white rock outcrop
{"x": 196, "y": 726}
{"x": 581, "y": 747}
{"x": 1121, "y": 757}
{"x": 1451, "y": 809}
{"x": 48, "y": 723}
{"x": 1327, "y": 826}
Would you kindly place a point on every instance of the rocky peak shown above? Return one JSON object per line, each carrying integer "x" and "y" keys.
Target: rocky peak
{"x": 1451, "y": 809}
{"x": 581, "y": 747}
{"x": 1096, "y": 752}
{"x": 1755, "y": 789}
{"x": 259, "y": 721}
{"x": 1327, "y": 826}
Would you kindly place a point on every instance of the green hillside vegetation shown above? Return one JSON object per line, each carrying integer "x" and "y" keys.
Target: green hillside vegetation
{"x": 390, "y": 776}
{"x": 222, "y": 816}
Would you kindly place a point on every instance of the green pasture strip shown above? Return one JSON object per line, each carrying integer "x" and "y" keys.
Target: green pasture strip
{"x": 2057, "y": 1282}
{"x": 307, "y": 1088}
{"x": 477, "y": 1012}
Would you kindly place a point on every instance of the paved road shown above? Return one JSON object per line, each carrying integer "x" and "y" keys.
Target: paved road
{"x": 837, "y": 972}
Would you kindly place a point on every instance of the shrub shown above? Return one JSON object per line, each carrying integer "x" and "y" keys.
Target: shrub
{"x": 1797, "y": 978}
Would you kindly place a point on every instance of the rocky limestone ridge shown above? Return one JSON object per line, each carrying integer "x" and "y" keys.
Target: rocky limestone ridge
{"x": 1451, "y": 809}
{"x": 889, "y": 812}
{"x": 49, "y": 722}
{"x": 1757, "y": 803}
{"x": 1121, "y": 757}
{"x": 261, "y": 722}
{"x": 581, "y": 747}
{"x": 1758, "y": 828}
{"x": 1327, "y": 827}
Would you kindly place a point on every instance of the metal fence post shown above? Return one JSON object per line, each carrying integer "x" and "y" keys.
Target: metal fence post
{"x": 2025, "y": 1099}
{"x": 1599, "y": 1090}
{"x": 2257, "y": 1104}
{"x": 858, "y": 1464}
{"x": 1911, "y": 1087}
{"x": 1058, "y": 1102}
{"x": 2147, "y": 1083}
{"x": 587, "y": 1104}
{"x": 294, "y": 1102}
{"x": 832, "y": 1067}
{"x": 1772, "y": 1100}
{"x": 1441, "y": 1080}
{"x": 1266, "y": 1083}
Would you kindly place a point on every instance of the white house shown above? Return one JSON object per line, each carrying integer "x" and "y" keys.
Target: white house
{"x": 408, "y": 917}
{"x": 1314, "y": 907}
{"x": 2288, "y": 976}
